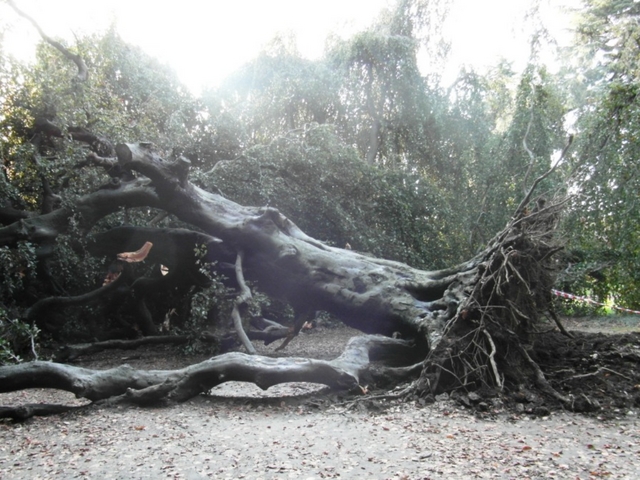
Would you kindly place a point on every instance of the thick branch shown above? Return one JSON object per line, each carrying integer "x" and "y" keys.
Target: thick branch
{"x": 373, "y": 295}
{"x": 50, "y": 303}
{"x": 9, "y": 215}
{"x": 143, "y": 386}
{"x": 89, "y": 209}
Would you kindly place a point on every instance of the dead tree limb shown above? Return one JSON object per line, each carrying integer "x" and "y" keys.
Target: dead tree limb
{"x": 44, "y": 305}
{"x": 128, "y": 385}
{"x": 241, "y": 301}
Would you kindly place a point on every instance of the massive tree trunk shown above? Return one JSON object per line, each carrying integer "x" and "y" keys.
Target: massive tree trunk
{"x": 370, "y": 294}
{"x": 469, "y": 323}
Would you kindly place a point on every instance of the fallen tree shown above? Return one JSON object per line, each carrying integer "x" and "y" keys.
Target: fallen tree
{"x": 470, "y": 324}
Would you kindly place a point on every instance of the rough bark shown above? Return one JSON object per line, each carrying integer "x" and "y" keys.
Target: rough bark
{"x": 372, "y": 295}
{"x": 125, "y": 384}
{"x": 469, "y": 321}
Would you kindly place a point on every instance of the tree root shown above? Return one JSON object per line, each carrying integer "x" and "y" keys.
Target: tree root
{"x": 540, "y": 379}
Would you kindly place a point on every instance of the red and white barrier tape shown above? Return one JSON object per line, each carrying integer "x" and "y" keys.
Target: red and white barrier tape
{"x": 590, "y": 300}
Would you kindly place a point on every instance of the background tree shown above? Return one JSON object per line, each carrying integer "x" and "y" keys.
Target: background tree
{"x": 602, "y": 225}
{"x": 276, "y": 93}
{"x": 387, "y": 110}
{"x": 314, "y": 176}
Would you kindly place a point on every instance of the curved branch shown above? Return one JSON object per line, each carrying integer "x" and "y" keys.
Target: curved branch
{"x": 49, "y": 303}
{"x": 89, "y": 209}
{"x": 126, "y": 384}
{"x": 243, "y": 298}
{"x": 83, "y": 71}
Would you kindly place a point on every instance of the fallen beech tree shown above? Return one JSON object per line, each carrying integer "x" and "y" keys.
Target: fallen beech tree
{"x": 471, "y": 323}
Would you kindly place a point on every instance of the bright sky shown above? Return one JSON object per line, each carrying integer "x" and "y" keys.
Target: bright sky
{"x": 204, "y": 41}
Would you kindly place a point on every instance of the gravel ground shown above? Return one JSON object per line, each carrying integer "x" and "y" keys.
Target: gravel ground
{"x": 241, "y": 432}
{"x": 212, "y": 438}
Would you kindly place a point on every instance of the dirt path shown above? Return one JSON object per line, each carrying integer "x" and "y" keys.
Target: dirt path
{"x": 211, "y": 438}
{"x": 241, "y": 432}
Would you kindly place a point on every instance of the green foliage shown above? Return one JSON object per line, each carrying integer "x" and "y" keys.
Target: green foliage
{"x": 19, "y": 271}
{"x": 277, "y": 92}
{"x": 320, "y": 183}
{"x": 18, "y": 266}
{"x": 386, "y": 102}
{"x": 128, "y": 95}
{"x": 213, "y": 297}
{"x": 16, "y": 338}
{"x": 489, "y": 117}
{"x": 358, "y": 147}
{"x": 604, "y": 217}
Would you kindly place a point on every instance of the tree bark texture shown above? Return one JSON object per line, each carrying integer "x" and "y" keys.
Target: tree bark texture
{"x": 126, "y": 384}
{"x": 370, "y": 294}
{"x": 468, "y": 322}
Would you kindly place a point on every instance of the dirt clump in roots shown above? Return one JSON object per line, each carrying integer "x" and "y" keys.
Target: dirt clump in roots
{"x": 597, "y": 372}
